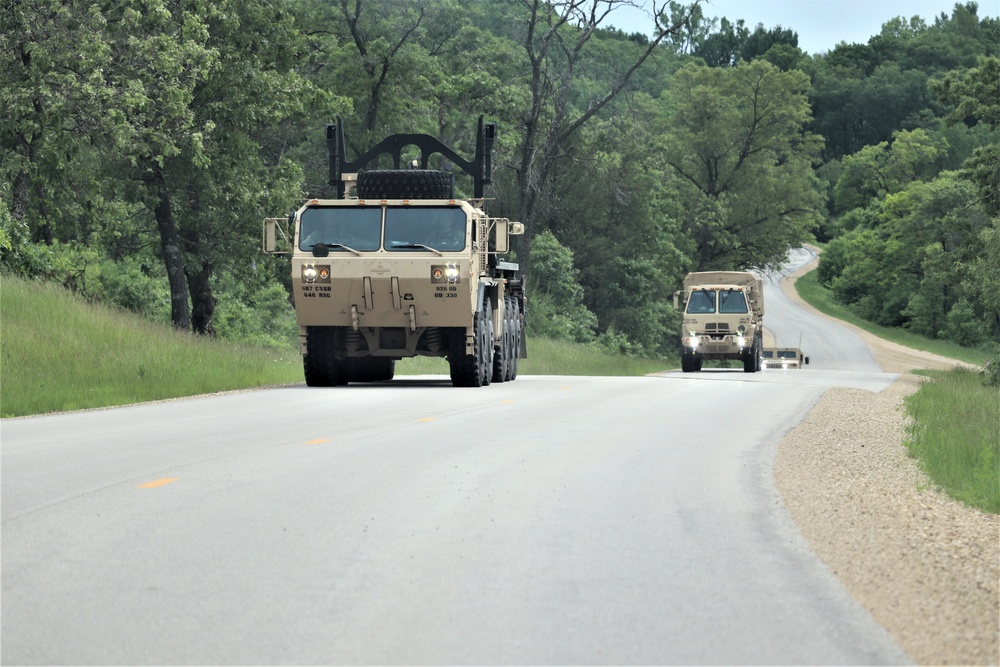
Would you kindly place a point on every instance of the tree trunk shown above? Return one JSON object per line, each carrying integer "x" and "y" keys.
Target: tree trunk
{"x": 173, "y": 259}
{"x": 202, "y": 300}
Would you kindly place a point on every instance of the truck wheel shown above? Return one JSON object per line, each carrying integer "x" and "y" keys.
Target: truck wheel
{"x": 474, "y": 370}
{"x": 751, "y": 358}
{"x": 515, "y": 313}
{"x": 321, "y": 367}
{"x": 386, "y": 370}
{"x": 688, "y": 363}
{"x": 405, "y": 184}
{"x": 510, "y": 314}
{"x": 501, "y": 357}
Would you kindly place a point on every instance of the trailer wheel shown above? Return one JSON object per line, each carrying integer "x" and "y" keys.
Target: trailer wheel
{"x": 405, "y": 184}
{"x": 320, "y": 364}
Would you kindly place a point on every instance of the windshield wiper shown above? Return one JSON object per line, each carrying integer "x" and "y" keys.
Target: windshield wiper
{"x": 416, "y": 245}
{"x": 322, "y": 249}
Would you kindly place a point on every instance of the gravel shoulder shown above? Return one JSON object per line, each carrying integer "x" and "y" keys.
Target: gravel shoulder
{"x": 927, "y": 567}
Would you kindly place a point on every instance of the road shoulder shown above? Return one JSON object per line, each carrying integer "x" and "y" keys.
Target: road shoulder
{"x": 927, "y": 567}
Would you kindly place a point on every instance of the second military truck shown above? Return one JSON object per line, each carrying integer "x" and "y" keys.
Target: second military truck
{"x": 723, "y": 319}
{"x": 397, "y": 266}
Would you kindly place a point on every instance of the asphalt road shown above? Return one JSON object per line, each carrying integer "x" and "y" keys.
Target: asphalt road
{"x": 552, "y": 520}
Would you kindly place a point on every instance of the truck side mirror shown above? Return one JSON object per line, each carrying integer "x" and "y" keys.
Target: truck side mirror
{"x": 502, "y": 232}
{"x": 273, "y": 229}
{"x": 677, "y": 299}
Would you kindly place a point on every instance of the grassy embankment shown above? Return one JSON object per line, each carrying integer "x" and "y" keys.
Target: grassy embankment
{"x": 58, "y": 353}
{"x": 955, "y": 432}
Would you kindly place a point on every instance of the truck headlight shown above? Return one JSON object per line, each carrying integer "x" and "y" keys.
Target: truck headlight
{"x": 692, "y": 341}
{"x": 309, "y": 273}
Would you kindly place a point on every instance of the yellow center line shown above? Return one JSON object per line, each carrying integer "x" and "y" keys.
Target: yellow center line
{"x": 507, "y": 402}
{"x": 427, "y": 419}
{"x": 158, "y": 482}
{"x": 317, "y": 441}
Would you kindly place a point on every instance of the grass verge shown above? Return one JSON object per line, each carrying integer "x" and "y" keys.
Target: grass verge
{"x": 60, "y": 353}
{"x": 955, "y": 430}
{"x": 955, "y": 434}
{"x": 822, "y": 299}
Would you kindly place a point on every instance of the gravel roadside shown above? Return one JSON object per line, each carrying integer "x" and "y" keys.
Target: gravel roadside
{"x": 927, "y": 567}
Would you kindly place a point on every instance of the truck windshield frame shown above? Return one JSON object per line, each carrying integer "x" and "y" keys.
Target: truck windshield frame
{"x": 418, "y": 228}
{"x": 702, "y": 302}
{"x": 341, "y": 228}
{"x": 732, "y": 302}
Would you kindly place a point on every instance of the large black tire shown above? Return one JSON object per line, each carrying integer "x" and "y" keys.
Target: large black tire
{"x": 689, "y": 364}
{"x": 501, "y": 357}
{"x": 405, "y": 184}
{"x": 751, "y": 358}
{"x": 516, "y": 322}
{"x": 320, "y": 364}
{"x": 474, "y": 370}
{"x": 513, "y": 341}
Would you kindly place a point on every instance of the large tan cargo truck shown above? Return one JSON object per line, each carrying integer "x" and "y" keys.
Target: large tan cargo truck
{"x": 723, "y": 318}
{"x": 397, "y": 266}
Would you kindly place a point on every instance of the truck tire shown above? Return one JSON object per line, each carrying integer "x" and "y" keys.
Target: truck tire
{"x": 501, "y": 357}
{"x": 515, "y": 313}
{"x": 751, "y": 358}
{"x": 513, "y": 324}
{"x": 474, "y": 370}
{"x": 405, "y": 184}
{"x": 689, "y": 364}
{"x": 320, "y": 364}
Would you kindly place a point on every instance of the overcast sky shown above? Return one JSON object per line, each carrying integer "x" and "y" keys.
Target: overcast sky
{"x": 820, "y": 24}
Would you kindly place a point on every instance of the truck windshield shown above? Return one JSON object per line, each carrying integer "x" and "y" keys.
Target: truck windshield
{"x": 701, "y": 301}
{"x": 341, "y": 228}
{"x": 732, "y": 301}
{"x": 418, "y": 228}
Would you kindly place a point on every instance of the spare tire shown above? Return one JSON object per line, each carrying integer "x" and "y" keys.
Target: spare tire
{"x": 406, "y": 184}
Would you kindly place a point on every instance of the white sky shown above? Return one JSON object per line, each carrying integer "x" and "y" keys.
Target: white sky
{"x": 820, "y": 24}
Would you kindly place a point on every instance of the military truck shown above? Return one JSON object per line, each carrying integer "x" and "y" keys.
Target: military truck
{"x": 784, "y": 357}
{"x": 396, "y": 266}
{"x": 723, "y": 318}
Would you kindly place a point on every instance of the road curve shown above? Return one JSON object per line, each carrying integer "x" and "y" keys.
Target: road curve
{"x": 549, "y": 520}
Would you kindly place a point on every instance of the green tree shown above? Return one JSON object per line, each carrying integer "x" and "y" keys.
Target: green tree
{"x": 885, "y": 168}
{"x": 736, "y": 138}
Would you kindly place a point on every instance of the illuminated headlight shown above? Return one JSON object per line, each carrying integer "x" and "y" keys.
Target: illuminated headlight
{"x": 741, "y": 341}
{"x": 446, "y": 273}
{"x": 692, "y": 341}
{"x": 309, "y": 273}
{"x": 784, "y": 364}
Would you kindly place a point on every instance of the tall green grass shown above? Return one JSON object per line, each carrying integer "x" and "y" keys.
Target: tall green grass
{"x": 822, "y": 299}
{"x": 58, "y": 352}
{"x": 955, "y": 434}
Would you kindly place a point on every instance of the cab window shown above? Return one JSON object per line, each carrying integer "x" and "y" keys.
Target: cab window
{"x": 342, "y": 229}
{"x": 701, "y": 301}
{"x": 732, "y": 301}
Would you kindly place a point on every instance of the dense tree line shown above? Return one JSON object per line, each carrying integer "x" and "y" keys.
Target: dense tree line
{"x": 144, "y": 140}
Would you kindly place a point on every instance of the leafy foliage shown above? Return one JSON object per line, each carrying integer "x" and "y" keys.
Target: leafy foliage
{"x": 142, "y": 142}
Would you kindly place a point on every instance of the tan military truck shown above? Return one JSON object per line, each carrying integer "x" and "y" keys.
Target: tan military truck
{"x": 784, "y": 357}
{"x": 397, "y": 266}
{"x": 723, "y": 318}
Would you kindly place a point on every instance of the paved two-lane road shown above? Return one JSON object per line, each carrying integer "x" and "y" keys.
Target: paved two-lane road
{"x": 548, "y": 520}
